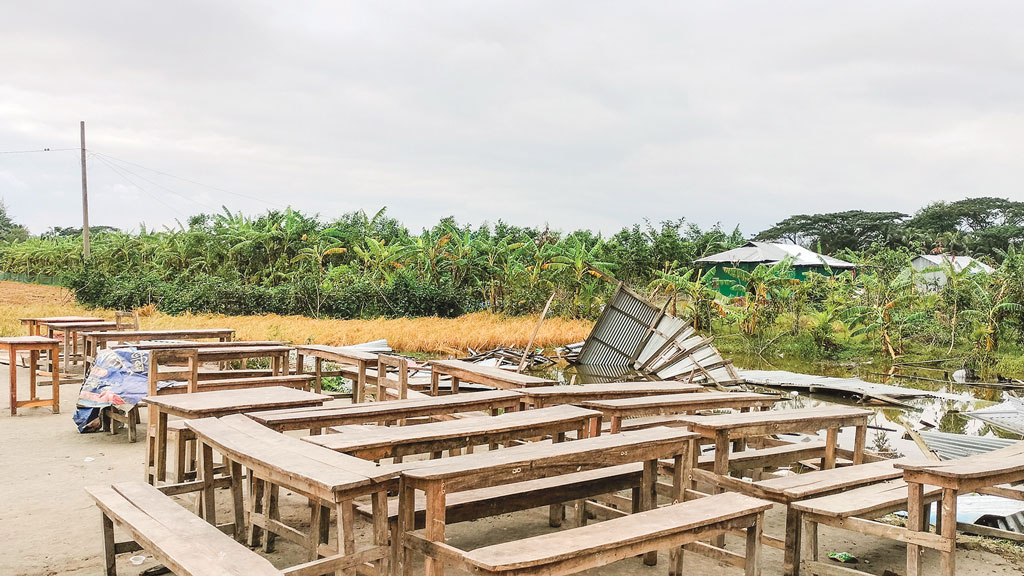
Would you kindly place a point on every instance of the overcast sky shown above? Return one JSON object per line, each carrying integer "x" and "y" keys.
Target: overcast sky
{"x": 579, "y": 114}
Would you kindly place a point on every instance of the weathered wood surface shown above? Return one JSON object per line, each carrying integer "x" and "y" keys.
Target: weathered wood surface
{"x": 223, "y": 402}
{"x": 801, "y": 420}
{"x": 298, "y": 382}
{"x": 173, "y": 334}
{"x": 801, "y": 486}
{"x": 1005, "y": 465}
{"x": 542, "y": 459}
{"x": 616, "y": 538}
{"x": 175, "y": 537}
{"x": 871, "y": 501}
{"x": 377, "y": 442}
{"x": 33, "y": 324}
{"x": 174, "y": 345}
{"x": 460, "y": 370}
{"x": 566, "y": 394}
{"x": 388, "y": 411}
{"x": 339, "y": 354}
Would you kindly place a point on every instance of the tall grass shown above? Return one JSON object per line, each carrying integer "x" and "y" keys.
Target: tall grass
{"x": 431, "y": 335}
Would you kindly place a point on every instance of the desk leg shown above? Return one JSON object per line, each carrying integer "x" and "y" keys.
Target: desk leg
{"x": 401, "y": 561}
{"x": 161, "y": 446}
{"x": 300, "y": 363}
{"x": 455, "y": 385}
{"x": 435, "y": 508}
{"x": 649, "y": 500}
{"x": 316, "y": 522}
{"x": 209, "y": 507}
{"x": 721, "y": 469}
{"x": 859, "y": 443}
{"x": 831, "y": 441}
{"x": 55, "y": 382}
{"x": 380, "y": 528}
{"x": 237, "y": 505}
{"x": 360, "y": 391}
{"x": 791, "y": 560}
{"x": 318, "y": 375}
{"x": 67, "y": 352}
{"x": 752, "y": 559}
{"x": 434, "y": 380}
{"x": 915, "y": 523}
{"x": 33, "y": 361}
{"x": 616, "y": 424}
{"x": 675, "y": 554}
{"x": 948, "y": 565}
{"x": 13, "y": 375}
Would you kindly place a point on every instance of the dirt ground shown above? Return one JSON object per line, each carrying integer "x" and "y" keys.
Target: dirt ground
{"x": 51, "y": 527}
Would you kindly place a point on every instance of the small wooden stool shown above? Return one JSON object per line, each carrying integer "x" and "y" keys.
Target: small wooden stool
{"x": 34, "y": 345}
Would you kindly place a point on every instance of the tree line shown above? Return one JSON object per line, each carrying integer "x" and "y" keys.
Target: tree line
{"x": 363, "y": 265}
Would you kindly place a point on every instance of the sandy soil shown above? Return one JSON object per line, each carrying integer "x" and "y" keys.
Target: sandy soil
{"x": 51, "y": 527}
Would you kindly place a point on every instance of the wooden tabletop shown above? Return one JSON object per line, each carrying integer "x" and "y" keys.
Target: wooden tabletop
{"x": 676, "y": 403}
{"x": 543, "y": 459}
{"x": 291, "y": 462}
{"x": 486, "y": 374}
{"x": 28, "y": 340}
{"x": 336, "y": 353}
{"x": 157, "y": 334}
{"x": 607, "y": 391}
{"x": 62, "y": 319}
{"x": 172, "y": 345}
{"x": 390, "y": 410}
{"x": 803, "y": 420}
{"x": 377, "y": 442}
{"x": 820, "y": 482}
{"x": 222, "y": 402}
{"x": 1005, "y": 462}
{"x": 80, "y": 326}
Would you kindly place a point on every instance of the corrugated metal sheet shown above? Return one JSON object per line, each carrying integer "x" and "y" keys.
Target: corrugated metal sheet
{"x": 632, "y": 333}
{"x": 1008, "y": 416}
{"x": 949, "y": 446}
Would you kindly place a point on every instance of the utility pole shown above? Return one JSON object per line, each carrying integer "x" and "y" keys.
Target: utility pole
{"x": 85, "y": 202}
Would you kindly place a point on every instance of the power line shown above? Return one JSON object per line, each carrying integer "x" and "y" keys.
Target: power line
{"x": 117, "y": 170}
{"x": 40, "y": 150}
{"x": 191, "y": 181}
{"x": 161, "y": 186}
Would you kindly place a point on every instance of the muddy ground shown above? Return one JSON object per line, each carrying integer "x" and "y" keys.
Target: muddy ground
{"x": 49, "y": 525}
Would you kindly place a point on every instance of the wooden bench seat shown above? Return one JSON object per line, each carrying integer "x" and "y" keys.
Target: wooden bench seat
{"x": 871, "y": 501}
{"x": 299, "y": 381}
{"x": 578, "y": 549}
{"x": 178, "y": 539}
{"x": 770, "y": 457}
{"x": 492, "y": 501}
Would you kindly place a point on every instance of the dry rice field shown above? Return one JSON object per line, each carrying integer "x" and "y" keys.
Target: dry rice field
{"x": 429, "y": 335}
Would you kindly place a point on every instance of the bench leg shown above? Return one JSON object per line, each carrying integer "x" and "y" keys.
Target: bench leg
{"x": 402, "y": 556}
{"x": 109, "y": 561}
{"x": 133, "y": 424}
{"x": 270, "y": 512}
{"x": 649, "y": 501}
{"x": 316, "y": 521}
{"x": 179, "y": 457}
{"x": 237, "y": 506}
{"x": 207, "y": 494}
{"x": 752, "y": 563}
{"x": 346, "y": 528}
{"x": 791, "y": 562}
{"x": 810, "y": 541}
{"x": 915, "y": 522}
{"x": 256, "y": 508}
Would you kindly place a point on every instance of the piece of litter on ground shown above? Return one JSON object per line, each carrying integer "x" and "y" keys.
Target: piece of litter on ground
{"x": 89, "y": 459}
{"x": 844, "y": 557}
{"x": 137, "y": 560}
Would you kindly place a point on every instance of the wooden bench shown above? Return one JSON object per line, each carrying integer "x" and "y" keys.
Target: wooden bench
{"x": 542, "y": 396}
{"x": 438, "y": 479}
{"x": 578, "y": 549}
{"x": 184, "y": 543}
{"x": 620, "y": 408}
{"x": 961, "y": 476}
{"x": 95, "y": 341}
{"x": 354, "y": 364}
{"x": 460, "y": 370}
{"x": 854, "y": 510}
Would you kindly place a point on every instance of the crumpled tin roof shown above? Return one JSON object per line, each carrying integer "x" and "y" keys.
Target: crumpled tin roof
{"x": 772, "y": 253}
{"x": 1009, "y": 415}
{"x": 949, "y": 446}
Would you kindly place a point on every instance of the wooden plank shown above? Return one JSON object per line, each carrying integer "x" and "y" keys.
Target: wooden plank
{"x": 220, "y": 402}
{"x": 487, "y": 375}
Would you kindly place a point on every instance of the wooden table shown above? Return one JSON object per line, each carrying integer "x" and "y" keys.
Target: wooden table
{"x": 377, "y": 442}
{"x": 542, "y": 396}
{"x": 316, "y": 419}
{"x": 326, "y": 478}
{"x": 724, "y": 428}
{"x": 34, "y": 323}
{"x": 982, "y": 472}
{"x": 620, "y": 408}
{"x": 71, "y": 331}
{"x": 339, "y": 355}
{"x": 461, "y": 370}
{"x": 438, "y": 478}
{"x": 34, "y": 345}
{"x": 213, "y": 405}
{"x": 95, "y": 341}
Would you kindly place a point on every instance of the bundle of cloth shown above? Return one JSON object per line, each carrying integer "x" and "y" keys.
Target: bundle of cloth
{"x": 119, "y": 378}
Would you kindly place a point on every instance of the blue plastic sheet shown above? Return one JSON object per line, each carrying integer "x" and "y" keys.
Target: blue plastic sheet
{"x": 119, "y": 378}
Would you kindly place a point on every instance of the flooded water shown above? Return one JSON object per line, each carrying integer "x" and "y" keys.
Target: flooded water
{"x": 886, "y": 432}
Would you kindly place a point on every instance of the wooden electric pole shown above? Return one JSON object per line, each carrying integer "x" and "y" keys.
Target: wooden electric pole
{"x": 85, "y": 201}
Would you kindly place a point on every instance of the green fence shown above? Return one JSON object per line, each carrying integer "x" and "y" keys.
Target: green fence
{"x": 30, "y": 278}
